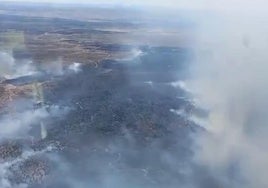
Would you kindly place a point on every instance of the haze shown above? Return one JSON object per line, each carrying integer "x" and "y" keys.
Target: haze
{"x": 193, "y": 4}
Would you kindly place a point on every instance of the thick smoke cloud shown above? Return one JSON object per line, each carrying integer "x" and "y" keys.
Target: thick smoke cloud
{"x": 230, "y": 79}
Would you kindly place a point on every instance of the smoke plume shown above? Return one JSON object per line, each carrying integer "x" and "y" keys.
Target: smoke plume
{"x": 230, "y": 79}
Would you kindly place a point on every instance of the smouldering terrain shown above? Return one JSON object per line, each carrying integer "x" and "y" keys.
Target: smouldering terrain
{"x": 95, "y": 102}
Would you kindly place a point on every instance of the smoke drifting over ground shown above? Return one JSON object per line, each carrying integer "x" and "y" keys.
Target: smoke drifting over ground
{"x": 9, "y": 68}
{"x": 230, "y": 79}
{"x": 135, "y": 121}
{"x": 23, "y": 113}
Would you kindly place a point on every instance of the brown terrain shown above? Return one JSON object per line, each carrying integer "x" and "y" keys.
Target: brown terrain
{"x": 88, "y": 37}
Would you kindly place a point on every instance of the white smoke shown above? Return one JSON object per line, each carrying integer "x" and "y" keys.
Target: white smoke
{"x": 133, "y": 54}
{"x": 19, "y": 123}
{"x": 75, "y": 67}
{"x": 230, "y": 77}
{"x": 10, "y": 68}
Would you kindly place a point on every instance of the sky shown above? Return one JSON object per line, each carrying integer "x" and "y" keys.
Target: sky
{"x": 191, "y": 4}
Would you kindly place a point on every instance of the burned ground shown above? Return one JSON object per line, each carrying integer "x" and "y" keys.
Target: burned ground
{"x": 119, "y": 130}
{"x": 120, "y": 122}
